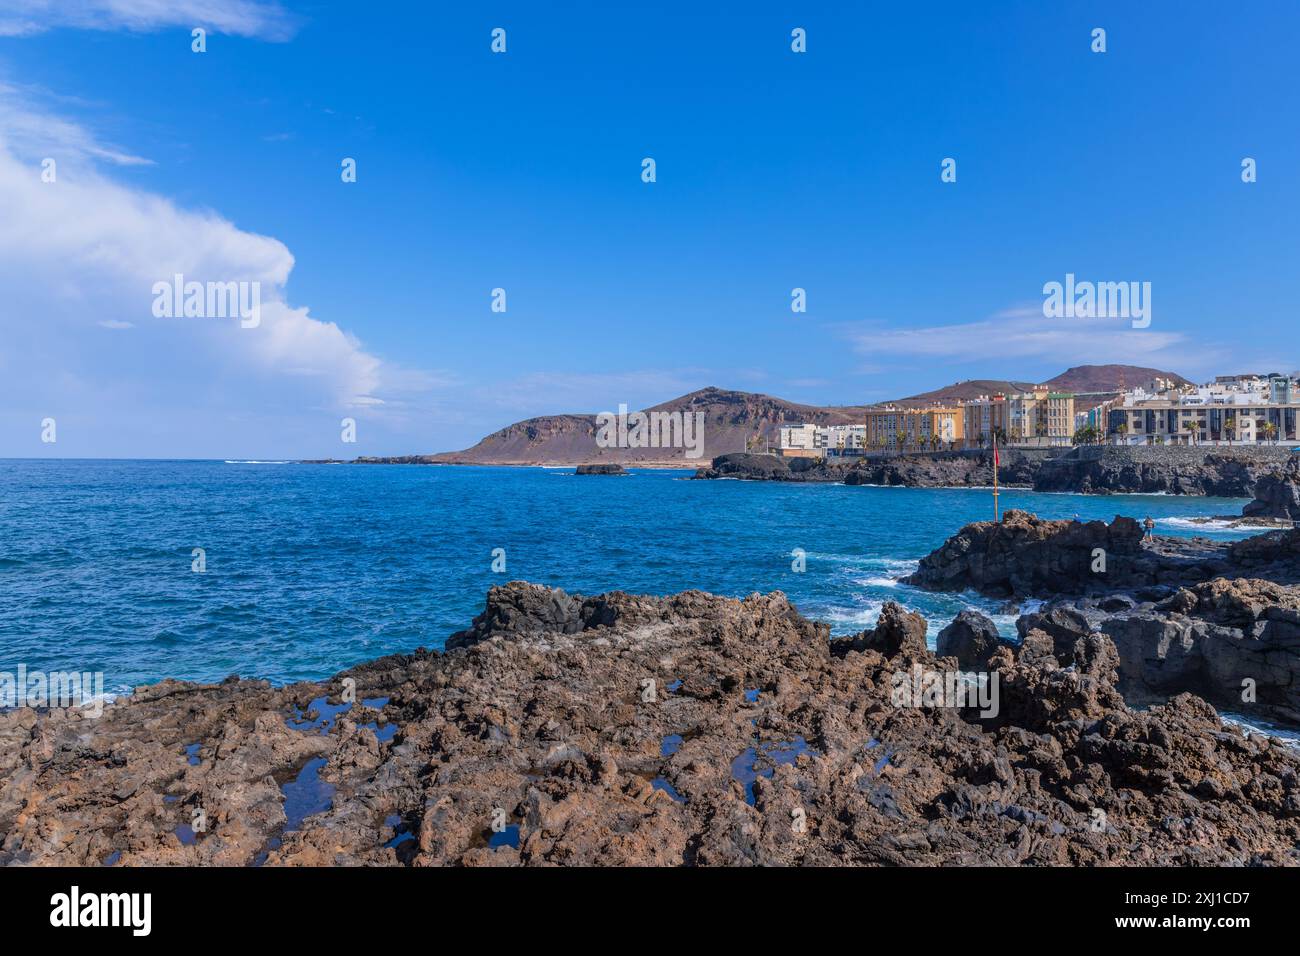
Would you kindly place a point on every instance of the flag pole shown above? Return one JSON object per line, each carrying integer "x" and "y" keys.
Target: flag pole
{"x": 996, "y": 517}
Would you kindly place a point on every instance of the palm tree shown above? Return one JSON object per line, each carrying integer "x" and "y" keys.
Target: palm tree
{"x": 1122, "y": 430}
{"x": 1270, "y": 432}
{"x": 1230, "y": 427}
{"x": 1086, "y": 435}
{"x": 1189, "y": 426}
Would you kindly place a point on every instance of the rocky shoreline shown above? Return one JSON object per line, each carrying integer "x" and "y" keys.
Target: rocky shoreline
{"x": 1277, "y": 495}
{"x": 689, "y": 729}
{"x": 919, "y": 471}
{"x": 1213, "y": 471}
{"x": 1218, "y": 619}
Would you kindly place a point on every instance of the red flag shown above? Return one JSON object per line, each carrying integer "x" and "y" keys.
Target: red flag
{"x": 996, "y": 461}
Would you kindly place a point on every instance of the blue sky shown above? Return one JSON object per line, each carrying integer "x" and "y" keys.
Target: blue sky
{"x": 522, "y": 170}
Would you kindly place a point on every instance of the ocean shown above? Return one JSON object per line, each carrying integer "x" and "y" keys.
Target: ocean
{"x": 312, "y": 568}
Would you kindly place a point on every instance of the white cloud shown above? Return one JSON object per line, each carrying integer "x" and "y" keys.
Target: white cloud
{"x": 81, "y": 254}
{"x": 263, "y": 19}
{"x": 27, "y": 131}
{"x": 1025, "y": 334}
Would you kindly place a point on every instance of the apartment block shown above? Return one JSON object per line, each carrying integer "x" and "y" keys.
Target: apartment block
{"x": 1237, "y": 409}
{"x": 894, "y": 428}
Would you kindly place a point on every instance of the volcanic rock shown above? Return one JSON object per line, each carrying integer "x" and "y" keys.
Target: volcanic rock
{"x": 1023, "y": 556}
{"x": 971, "y": 638}
{"x": 1277, "y": 494}
{"x": 680, "y": 730}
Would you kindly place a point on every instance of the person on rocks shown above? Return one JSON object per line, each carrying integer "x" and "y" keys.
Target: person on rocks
{"x": 1150, "y": 526}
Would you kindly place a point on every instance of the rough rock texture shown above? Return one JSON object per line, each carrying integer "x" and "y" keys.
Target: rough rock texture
{"x": 1228, "y": 472}
{"x": 1277, "y": 494}
{"x": 1219, "y": 471}
{"x": 1023, "y": 555}
{"x": 1234, "y": 642}
{"x": 765, "y": 468}
{"x": 601, "y": 469}
{"x": 938, "y": 470}
{"x": 760, "y": 741}
{"x": 971, "y": 638}
{"x": 947, "y": 471}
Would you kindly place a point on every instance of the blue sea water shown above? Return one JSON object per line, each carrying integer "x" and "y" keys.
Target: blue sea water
{"x": 313, "y": 568}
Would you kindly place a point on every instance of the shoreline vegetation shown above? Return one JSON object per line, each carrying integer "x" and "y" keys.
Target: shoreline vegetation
{"x": 693, "y": 729}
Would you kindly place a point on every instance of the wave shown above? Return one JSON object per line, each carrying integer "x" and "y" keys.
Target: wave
{"x": 231, "y": 461}
{"x": 1209, "y": 525}
{"x": 1263, "y": 728}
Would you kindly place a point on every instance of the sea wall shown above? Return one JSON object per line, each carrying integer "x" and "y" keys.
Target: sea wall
{"x": 1220, "y": 471}
{"x": 1206, "y": 470}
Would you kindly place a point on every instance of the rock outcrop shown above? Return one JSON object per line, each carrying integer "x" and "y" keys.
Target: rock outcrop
{"x": 1023, "y": 555}
{"x": 940, "y": 470}
{"x": 617, "y": 729}
{"x": 1234, "y": 642}
{"x": 1226, "y": 472}
{"x": 971, "y": 638}
{"x": 601, "y": 469}
{"x": 1277, "y": 494}
{"x": 1231, "y": 472}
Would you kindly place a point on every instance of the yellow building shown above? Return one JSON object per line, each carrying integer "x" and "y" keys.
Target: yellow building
{"x": 1037, "y": 417}
{"x": 892, "y": 428}
{"x": 982, "y": 417}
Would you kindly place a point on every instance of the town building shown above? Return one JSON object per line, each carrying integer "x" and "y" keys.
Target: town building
{"x": 798, "y": 441}
{"x": 1235, "y": 409}
{"x": 1036, "y": 417}
{"x": 841, "y": 441}
{"x": 982, "y": 418}
{"x": 893, "y": 428}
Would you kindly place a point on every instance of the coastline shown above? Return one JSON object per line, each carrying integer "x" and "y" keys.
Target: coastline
{"x": 412, "y": 460}
{"x": 682, "y": 730}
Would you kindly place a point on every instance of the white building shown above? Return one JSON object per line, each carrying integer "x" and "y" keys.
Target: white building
{"x": 822, "y": 441}
{"x": 1241, "y": 409}
{"x": 798, "y": 438}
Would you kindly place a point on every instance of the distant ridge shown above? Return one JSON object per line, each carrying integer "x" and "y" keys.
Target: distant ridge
{"x": 742, "y": 421}
{"x": 1081, "y": 378}
{"x": 733, "y": 421}
{"x": 1109, "y": 378}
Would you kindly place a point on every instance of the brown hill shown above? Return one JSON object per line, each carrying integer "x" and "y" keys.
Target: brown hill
{"x": 962, "y": 392}
{"x": 1109, "y": 378}
{"x": 741, "y": 421}
{"x": 733, "y": 421}
{"x": 1081, "y": 378}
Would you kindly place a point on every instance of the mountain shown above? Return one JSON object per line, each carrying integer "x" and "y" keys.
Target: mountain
{"x": 733, "y": 421}
{"x": 962, "y": 392}
{"x": 744, "y": 421}
{"x": 1081, "y": 378}
{"x": 1109, "y": 378}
